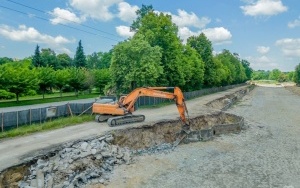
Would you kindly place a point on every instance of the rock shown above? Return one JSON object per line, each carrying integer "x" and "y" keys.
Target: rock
{"x": 49, "y": 181}
{"x": 40, "y": 178}
{"x": 42, "y": 163}
{"x": 109, "y": 138}
{"x": 106, "y": 154}
{"x": 84, "y": 146}
{"x": 127, "y": 157}
{"x": 33, "y": 183}
{"x": 99, "y": 156}
{"x": 93, "y": 151}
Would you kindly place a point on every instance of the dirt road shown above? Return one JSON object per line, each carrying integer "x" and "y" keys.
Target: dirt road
{"x": 267, "y": 154}
{"x": 17, "y": 150}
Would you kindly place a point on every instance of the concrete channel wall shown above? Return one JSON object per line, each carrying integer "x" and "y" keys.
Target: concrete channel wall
{"x": 9, "y": 120}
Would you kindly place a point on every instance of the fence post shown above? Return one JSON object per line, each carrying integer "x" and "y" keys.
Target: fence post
{"x": 2, "y": 124}
{"x": 30, "y": 116}
{"x": 40, "y": 116}
{"x": 17, "y": 119}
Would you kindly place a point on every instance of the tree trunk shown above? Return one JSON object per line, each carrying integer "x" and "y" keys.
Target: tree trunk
{"x": 43, "y": 94}
{"x": 60, "y": 92}
{"x": 17, "y": 96}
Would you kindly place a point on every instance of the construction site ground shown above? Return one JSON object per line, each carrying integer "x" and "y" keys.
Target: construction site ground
{"x": 266, "y": 154}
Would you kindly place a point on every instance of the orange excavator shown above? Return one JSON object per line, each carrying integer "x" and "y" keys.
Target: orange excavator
{"x": 121, "y": 112}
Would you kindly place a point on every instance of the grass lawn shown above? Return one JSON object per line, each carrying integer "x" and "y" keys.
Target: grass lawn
{"x": 50, "y": 125}
{"x": 29, "y": 100}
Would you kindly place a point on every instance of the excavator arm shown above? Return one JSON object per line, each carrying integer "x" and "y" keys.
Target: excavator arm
{"x": 129, "y": 101}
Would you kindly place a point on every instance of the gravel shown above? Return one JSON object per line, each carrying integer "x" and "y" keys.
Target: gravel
{"x": 266, "y": 154}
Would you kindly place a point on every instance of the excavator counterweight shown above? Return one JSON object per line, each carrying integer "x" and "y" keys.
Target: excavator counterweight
{"x": 121, "y": 112}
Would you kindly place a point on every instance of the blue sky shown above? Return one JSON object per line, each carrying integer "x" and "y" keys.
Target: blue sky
{"x": 264, "y": 32}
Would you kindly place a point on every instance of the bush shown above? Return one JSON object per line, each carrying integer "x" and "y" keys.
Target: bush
{"x": 6, "y": 95}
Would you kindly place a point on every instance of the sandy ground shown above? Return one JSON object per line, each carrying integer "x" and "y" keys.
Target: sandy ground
{"x": 17, "y": 150}
{"x": 267, "y": 154}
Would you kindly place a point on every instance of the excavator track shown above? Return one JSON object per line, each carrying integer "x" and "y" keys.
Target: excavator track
{"x": 120, "y": 120}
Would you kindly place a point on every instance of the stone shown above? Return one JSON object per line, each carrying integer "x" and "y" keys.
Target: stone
{"x": 40, "y": 178}
{"x": 33, "y": 183}
{"x": 42, "y": 163}
{"x": 93, "y": 151}
{"x": 84, "y": 146}
{"x": 49, "y": 181}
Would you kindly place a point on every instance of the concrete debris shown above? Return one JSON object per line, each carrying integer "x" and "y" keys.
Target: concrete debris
{"x": 84, "y": 163}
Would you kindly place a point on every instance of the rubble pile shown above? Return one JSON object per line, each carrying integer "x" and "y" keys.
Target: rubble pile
{"x": 83, "y": 163}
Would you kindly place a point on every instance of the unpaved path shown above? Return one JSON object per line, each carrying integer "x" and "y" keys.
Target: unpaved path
{"x": 17, "y": 150}
{"x": 267, "y": 154}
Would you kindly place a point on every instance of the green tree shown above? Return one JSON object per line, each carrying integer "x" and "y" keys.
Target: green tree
{"x": 141, "y": 13}
{"x": 248, "y": 69}
{"x": 159, "y": 30}
{"x": 79, "y": 59}
{"x": 77, "y": 79}
{"x": 260, "y": 75}
{"x": 297, "y": 74}
{"x": 282, "y": 77}
{"x": 46, "y": 78}
{"x": 62, "y": 78}
{"x": 4, "y": 60}
{"x": 64, "y": 60}
{"x": 135, "y": 64}
{"x": 274, "y": 74}
{"x": 18, "y": 78}
{"x": 36, "y": 58}
{"x": 102, "y": 78}
{"x": 204, "y": 48}
{"x": 193, "y": 69}
{"x": 290, "y": 76}
{"x": 48, "y": 58}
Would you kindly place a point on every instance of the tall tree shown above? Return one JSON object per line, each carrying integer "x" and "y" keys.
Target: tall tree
{"x": 135, "y": 64}
{"x": 141, "y": 13}
{"x": 48, "y": 58}
{"x": 159, "y": 30}
{"x": 79, "y": 59}
{"x": 204, "y": 48}
{"x": 64, "y": 60}
{"x": 248, "y": 69}
{"x": 36, "y": 59}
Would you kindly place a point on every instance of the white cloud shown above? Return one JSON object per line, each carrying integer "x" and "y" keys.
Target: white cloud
{"x": 218, "y": 35}
{"x": 64, "y": 16}
{"x": 290, "y": 47}
{"x": 185, "y": 19}
{"x": 261, "y": 63}
{"x": 96, "y": 9}
{"x": 31, "y": 35}
{"x": 264, "y": 7}
{"x": 124, "y": 31}
{"x": 127, "y": 12}
{"x": 263, "y": 49}
{"x": 295, "y": 23}
{"x": 184, "y": 33}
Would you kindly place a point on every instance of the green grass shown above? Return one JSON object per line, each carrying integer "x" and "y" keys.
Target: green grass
{"x": 50, "y": 98}
{"x": 50, "y": 125}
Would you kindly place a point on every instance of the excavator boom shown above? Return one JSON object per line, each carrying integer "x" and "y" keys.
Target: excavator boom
{"x": 125, "y": 106}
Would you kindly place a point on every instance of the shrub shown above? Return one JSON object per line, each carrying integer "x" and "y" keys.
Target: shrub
{"x": 6, "y": 95}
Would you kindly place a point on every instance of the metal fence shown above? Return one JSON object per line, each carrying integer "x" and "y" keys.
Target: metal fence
{"x": 15, "y": 119}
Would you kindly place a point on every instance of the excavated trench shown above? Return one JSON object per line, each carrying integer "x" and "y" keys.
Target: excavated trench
{"x": 91, "y": 161}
